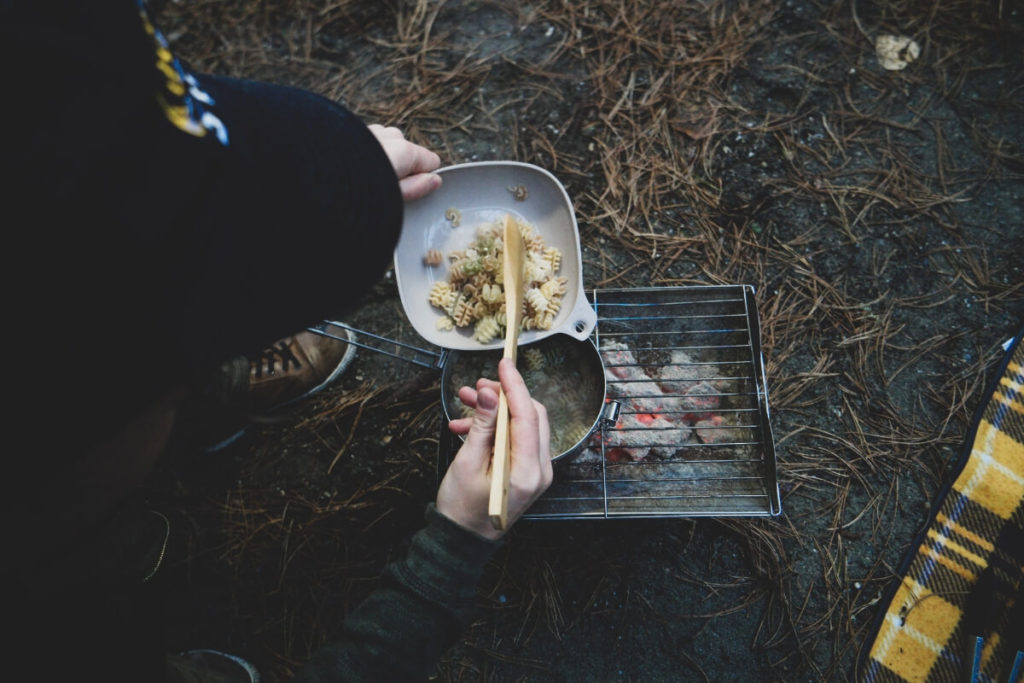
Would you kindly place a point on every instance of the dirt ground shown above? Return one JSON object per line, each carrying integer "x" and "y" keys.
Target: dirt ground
{"x": 878, "y": 214}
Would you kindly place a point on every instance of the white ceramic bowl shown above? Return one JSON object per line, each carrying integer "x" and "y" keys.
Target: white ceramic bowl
{"x": 482, "y": 192}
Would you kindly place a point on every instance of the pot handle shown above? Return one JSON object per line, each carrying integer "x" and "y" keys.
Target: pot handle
{"x": 582, "y": 319}
{"x": 372, "y": 342}
{"x": 610, "y": 413}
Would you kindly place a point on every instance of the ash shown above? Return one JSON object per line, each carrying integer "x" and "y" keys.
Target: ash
{"x": 665, "y": 411}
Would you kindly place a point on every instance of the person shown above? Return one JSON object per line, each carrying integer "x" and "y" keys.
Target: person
{"x": 162, "y": 222}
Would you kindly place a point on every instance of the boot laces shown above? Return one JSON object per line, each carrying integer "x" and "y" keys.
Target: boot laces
{"x": 266, "y": 362}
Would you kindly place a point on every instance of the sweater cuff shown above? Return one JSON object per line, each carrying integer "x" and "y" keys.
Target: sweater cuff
{"x": 445, "y": 560}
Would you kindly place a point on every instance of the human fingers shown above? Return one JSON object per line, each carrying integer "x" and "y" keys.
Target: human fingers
{"x": 406, "y": 157}
{"x": 412, "y": 163}
{"x": 530, "y": 434}
{"x": 461, "y": 425}
{"x": 385, "y": 132}
{"x": 520, "y": 405}
{"x": 409, "y": 158}
{"x": 465, "y": 489}
{"x": 480, "y": 438}
{"x": 468, "y": 397}
{"x": 419, "y": 185}
{"x": 544, "y": 455}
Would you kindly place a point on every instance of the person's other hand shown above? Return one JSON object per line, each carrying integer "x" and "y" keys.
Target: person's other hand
{"x": 413, "y": 164}
{"x": 466, "y": 487}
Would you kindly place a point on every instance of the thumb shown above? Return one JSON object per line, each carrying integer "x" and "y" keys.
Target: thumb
{"x": 480, "y": 438}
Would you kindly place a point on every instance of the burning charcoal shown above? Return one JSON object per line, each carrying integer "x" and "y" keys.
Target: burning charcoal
{"x": 661, "y": 413}
{"x": 628, "y": 380}
{"x": 614, "y": 454}
{"x": 624, "y": 454}
{"x": 615, "y": 354}
{"x": 712, "y": 430}
{"x": 701, "y": 399}
{"x": 638, "y": 433}
{"x": 681, "y": 373}
{"x": 587, "y": 457}
{"x": 707, "y": 429}
{"x": 648, "y": 406}
{"x": 625, "y": 377}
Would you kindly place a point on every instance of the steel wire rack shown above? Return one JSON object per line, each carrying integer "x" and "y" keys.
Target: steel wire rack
{"x": 693, "y": 433}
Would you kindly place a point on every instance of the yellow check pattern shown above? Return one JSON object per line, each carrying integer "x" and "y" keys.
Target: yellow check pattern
{"x": 979, "y": 526}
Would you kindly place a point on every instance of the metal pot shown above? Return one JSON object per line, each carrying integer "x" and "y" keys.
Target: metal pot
{"x": 563, "y": 373}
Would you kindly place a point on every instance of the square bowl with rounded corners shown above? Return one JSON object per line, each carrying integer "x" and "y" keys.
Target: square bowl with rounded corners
{"x": 447, "y": 219}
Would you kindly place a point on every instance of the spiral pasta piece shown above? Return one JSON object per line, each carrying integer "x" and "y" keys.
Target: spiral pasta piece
{"x": 441, "y": 295}
{"x": 543, "y": 321}
{"x": 554, "y": 257}
{"x": 463, "y": 314}
{"x": 535, "y": 243}
{"x": 553, "y": 288}
{"x": 463, "y": 269}
{"x": 473, "y": 292}
{"x": 537, "y": 301}
{"x": 492, "y": 294}
{"x": 533, "y": 359}
{"x": 486, "y": 329}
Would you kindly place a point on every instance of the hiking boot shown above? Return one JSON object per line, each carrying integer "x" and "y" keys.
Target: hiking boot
{"x": 295, "y": 368}
{"x": 248, "y": 388}
{"x": 209, "y": 666}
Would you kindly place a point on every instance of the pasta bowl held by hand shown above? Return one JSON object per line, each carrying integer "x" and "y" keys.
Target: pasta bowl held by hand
{"x": 440, "y": 228}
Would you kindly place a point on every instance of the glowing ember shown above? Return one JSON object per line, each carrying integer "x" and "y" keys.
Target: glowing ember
{"x": 661, "y": 413}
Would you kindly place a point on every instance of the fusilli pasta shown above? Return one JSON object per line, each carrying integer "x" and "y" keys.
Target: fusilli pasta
{"x": 473, "y": 291}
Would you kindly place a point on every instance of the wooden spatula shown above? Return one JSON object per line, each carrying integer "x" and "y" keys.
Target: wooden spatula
{"x": 514, "y": 264}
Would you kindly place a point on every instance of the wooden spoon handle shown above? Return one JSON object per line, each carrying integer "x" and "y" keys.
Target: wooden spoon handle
{"x": 497, "y": 507}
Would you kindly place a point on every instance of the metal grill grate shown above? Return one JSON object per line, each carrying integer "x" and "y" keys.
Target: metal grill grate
{"x": 692, "y": 437}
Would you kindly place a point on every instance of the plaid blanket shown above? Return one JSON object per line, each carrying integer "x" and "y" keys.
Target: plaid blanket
{"x": 958, "y": 608}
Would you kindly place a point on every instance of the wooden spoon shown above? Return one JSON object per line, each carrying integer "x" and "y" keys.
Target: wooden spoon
{"x": 514, "y": 264}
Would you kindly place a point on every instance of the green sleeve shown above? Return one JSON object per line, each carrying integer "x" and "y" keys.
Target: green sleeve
{"x": 423, "y": 603}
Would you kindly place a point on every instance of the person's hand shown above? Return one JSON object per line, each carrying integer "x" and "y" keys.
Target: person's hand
{"x": 466, "y": 487}
{"x": 413, "y": 164}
